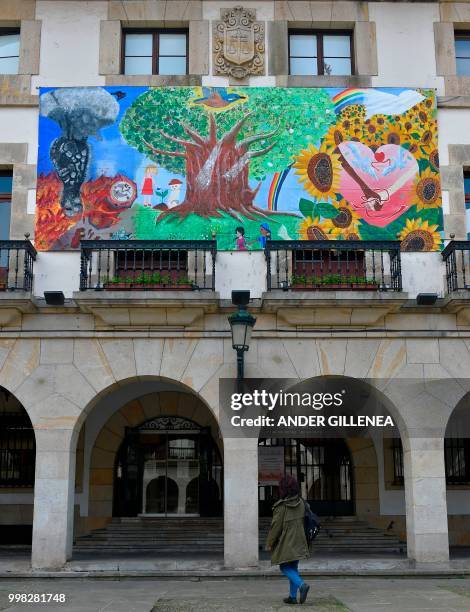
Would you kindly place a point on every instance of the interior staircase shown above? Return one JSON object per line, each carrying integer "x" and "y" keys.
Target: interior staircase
{"x": 206, "y": 535}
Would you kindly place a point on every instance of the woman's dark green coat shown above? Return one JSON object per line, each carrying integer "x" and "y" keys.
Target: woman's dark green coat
{"x": 286, "y": 538}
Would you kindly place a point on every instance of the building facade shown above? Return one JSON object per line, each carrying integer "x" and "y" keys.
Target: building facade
{"x": 110, "y": 398}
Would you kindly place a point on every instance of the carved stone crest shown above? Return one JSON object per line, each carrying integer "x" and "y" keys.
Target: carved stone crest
{"x": 238, "y": 43}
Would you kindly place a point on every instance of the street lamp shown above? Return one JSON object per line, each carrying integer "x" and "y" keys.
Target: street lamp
{"x": 241, "y": 324}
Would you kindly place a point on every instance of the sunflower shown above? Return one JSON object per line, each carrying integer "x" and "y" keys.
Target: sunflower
{"x": 345, "y": 224}
{"x": 394, "y": 135}
{"x": 353, "y": 111}
{"x": 313, "y": 229}
{"x": 335, "y": 136}
{"x": 418, "y": 235}
{"x": 428, "y": 134}
{"x": 428, "y": 190}
{"x": 319, "y": 171}
{"x": 434, "y": 160}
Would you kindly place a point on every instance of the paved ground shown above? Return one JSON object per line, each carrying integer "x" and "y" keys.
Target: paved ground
{"x": 326, "y": 595}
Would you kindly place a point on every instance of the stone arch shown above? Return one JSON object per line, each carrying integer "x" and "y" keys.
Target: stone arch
{"x": 457, "y": 462}
{"x": 17, "y": 465}
{"x": 103, "y": 439}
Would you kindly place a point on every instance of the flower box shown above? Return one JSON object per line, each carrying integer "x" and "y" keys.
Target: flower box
{"x": 147, "y": 287}
{"x": 335, "y": 287}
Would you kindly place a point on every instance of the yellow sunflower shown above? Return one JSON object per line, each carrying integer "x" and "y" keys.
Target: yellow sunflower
{"x": 345, "y": 223}
{"x": 428, "y": 190}
{"x": 319, "y": 171}
{"x": 394, "y": 135}
{"x": 428, "y": 133}
{"x": 335, "y": 136}
{"x": 434, "y": 160}
{"x": 313, "y": 229}
{"x": 353, "y": 111}
{"x": 418, "y": 235}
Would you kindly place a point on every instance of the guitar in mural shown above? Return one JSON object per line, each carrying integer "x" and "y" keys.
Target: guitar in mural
{"x": 288, "y": 163}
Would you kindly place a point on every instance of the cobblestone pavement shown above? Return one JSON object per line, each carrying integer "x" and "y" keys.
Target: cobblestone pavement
{"x": 326, "y": 595}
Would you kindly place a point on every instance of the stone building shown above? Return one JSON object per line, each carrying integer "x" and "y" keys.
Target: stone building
{"x": 109, "y": 400}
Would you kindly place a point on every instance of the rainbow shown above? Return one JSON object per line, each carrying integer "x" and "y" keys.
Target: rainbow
{"x": 349, "y": 96}
{"x": 275, "y": 188}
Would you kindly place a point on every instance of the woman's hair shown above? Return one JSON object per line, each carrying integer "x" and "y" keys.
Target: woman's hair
{"x": 288, "y": 487}
{"x": 240, "y": 230}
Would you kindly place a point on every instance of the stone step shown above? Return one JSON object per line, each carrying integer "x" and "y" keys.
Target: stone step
{"x": 178, "y": 535}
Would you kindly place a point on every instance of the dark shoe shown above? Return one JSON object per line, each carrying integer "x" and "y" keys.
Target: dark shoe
{"x": 290, "y": 600}
{"x": 303, "y": 591}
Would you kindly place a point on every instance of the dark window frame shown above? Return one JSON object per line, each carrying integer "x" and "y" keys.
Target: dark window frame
{"x": 17, "y": 450}
{"x": 460, "y": 35}
{"x": 450, "y": 444}
{"x": 155, "y": 32}
{"x": 466, "y": 177}
{"x": 9, "y": 32}
{"x": 320, "y": 55}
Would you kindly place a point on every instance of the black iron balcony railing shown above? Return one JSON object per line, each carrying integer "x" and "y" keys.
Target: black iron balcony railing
{"x": 340, "y": 265}
{"x": 456, "y": 256}
{"x": 147, "y": 265}
{"x": 17, "y": 259}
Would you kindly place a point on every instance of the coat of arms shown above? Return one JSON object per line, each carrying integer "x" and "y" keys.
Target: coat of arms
{"x": 238, "y": 43}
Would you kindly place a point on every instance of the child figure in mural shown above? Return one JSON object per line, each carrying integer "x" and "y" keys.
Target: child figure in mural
{"x": 240, "y": 242}
{"x": 147, "y": 185}
{"x": 264, "y": 234}
{"x": 174, "y": 187}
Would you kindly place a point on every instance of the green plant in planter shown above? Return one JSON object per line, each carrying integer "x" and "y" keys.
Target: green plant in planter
{"x": 183, "y": 280}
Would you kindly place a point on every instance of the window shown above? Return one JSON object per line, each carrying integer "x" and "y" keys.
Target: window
{"x": 462, "y": 53}
{"x": 312, "y": 53}
{"x": 17, "y": 450}
{"x": 6, "y": 181}
{"x": 398, "y": 472}
{"x": 9, "y": 51}
{"x": 155, "y": 52}
{"x": 457, "y": 460}
{"x": 457, "y": 455}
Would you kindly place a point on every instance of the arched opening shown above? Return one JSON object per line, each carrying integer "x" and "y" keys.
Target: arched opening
{"x": 161, "y": 496}
{"x": 343, "y": 473}
{"x": 17, "y": 471}
{"x": 149, "y": 473}
{"x": 457, "y": 471}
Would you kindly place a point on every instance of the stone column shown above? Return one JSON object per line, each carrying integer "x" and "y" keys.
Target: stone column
{"x": 54, "y": 492}
{"x": 426, "y": 504}
{"x": 240, "y": 502}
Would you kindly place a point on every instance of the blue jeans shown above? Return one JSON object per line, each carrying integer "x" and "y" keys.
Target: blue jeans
{"x": 291, "y": 571}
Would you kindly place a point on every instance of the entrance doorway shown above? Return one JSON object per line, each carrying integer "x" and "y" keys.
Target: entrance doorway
{"x": 168, "y": 466}
{"x": 323, "y": 469}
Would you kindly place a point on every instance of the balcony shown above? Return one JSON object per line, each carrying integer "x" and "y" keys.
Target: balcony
{"x": 319, "y": 265}
{"x": 456, "y": 256}
{"x": 17, "y": 259}
{"x": 147, "y": 265}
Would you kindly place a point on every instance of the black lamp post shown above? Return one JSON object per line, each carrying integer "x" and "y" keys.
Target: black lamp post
{"x": 241, "y": 324}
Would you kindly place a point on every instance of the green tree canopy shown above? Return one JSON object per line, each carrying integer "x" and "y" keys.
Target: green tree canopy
{"x": 291, "y": 118}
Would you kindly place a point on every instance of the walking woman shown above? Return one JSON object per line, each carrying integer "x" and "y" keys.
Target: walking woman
{"x": 286, "y": 538}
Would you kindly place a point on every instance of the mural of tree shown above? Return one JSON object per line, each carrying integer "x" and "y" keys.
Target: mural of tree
{"x": 222, "y": 138}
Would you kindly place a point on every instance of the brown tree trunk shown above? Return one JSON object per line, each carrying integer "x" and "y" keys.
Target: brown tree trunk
{"x": 217, "y": 173}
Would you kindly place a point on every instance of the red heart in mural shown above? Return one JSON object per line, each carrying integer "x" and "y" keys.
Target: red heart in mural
{"x": 377, "y": 185}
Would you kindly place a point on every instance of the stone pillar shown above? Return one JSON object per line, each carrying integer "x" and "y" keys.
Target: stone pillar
{"x": 426, "y": 505}
{"x": 54, "y": 492}
{"x": 240, "y": 502}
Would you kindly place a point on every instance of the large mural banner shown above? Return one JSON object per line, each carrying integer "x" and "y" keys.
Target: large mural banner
{"x": 238, "y": 164}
